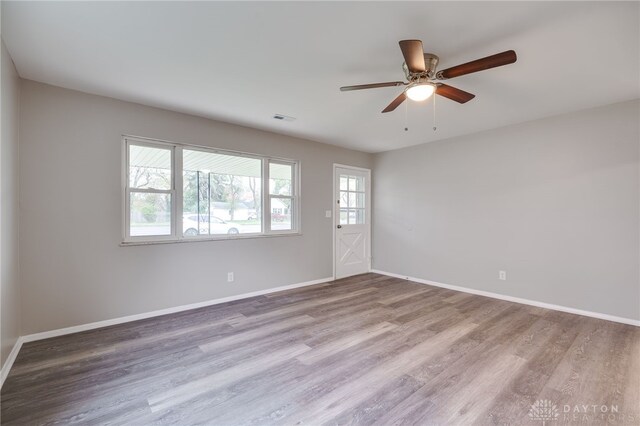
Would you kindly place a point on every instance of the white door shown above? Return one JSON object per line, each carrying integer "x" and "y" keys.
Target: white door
{"x": 352, "y": 221}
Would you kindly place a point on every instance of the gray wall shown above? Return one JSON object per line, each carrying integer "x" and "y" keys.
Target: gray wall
{"x": 73, "y": 269}
{"x": 9, "y": 268}
{"x": 554, "y": 202}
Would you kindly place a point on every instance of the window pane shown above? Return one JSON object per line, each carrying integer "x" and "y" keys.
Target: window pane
{"x": 280, "y": 179}
{"x": 343, "y": 182}
{"x": 352, "y": 199}
{"x": 360, "y": 200}
{"x": 352, "y": 183}
{"x": 344, "y": 199}
{"x": 222, "y": 193}
{"x": 359, "y": 183}
{"x": 281, "y": 214}
{"x": 150, "y": 214}
{"x": 352, "y": 217}
{"x": 360, "y": 216}
{"x": 149, "y": 167}
{"x": 344, "y": 216}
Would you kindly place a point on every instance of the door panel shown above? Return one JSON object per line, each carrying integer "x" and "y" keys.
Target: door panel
{"x": 352, "y": 223}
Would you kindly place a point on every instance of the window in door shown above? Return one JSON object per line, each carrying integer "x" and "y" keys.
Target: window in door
{"x": 352, "y": 200}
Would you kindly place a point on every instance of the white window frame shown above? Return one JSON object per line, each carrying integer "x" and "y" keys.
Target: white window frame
{"x": 294, "y": 197}
{"x": 128, "y": 190}
{"x": 176, "y": 192}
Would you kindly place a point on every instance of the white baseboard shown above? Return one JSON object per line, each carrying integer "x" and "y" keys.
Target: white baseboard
{"x": 99, "y": 324}
{"x": 4, "y": 372}
{"x": 551, "y": 306}
{"x": 130, "y": 318}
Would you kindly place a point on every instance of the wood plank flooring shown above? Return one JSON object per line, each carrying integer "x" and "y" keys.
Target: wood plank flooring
{"x": 363, "y": 350}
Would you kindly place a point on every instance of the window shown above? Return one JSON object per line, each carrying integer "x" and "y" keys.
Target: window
{"x": 221, "y": 193}
{"x": 352, "y": 200}
{"x": 281, "y": 195}
{"x": 150, "y": 191}
{"x": 181, "y": 192}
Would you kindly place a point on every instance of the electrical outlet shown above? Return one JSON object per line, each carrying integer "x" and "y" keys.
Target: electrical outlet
{"x": 502, "y": 275}
{"x": 327, "y": 213}
{"x": 230, "y": 277}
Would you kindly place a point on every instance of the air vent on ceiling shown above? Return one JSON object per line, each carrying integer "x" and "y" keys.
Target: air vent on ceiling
{"x": 283, "y": 117}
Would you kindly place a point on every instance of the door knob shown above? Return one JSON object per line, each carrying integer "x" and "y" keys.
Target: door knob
{"x": 339, "y": 226}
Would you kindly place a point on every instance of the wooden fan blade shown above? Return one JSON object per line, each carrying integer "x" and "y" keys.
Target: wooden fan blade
{"x": 372, "y": 86}
{"x": 492, "y": 61}
{"x": 394, "y": 104}
{"x": 454, "y": 94}
{"x": 413, "y": 55}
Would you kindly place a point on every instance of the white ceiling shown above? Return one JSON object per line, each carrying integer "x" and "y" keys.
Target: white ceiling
{"x": 242, "y": 62}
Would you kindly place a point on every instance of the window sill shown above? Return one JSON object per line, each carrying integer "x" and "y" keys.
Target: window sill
{"x": 208, "y": 239}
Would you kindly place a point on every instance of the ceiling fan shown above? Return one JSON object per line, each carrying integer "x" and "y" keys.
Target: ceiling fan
{"x": 423, "y": 79}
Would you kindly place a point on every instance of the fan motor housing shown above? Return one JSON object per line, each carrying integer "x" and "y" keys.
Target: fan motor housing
{"x": 430, "y": 64}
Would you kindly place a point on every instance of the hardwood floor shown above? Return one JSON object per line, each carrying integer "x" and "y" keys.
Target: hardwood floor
{"x": 363, "y": 350}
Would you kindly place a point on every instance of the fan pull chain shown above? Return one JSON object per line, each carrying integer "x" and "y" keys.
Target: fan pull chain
{"x": 406, "y": 117}
{"x": 434, "y": 112}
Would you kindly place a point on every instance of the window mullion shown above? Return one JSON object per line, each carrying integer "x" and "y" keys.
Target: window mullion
{"x": 266, "y": 198}
{"x": 151, "y": 190}
{"x": 178, "y": 188}
{"x": 127, "y": 210}
{"x": 293, "y": 210}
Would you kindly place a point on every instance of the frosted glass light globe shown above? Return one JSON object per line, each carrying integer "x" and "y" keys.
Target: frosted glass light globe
{"x": 420, "y": 92}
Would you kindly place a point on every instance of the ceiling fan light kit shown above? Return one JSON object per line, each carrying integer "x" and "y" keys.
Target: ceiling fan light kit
{"x": 420, "y": 91}
{"x": 423, "y": 80}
